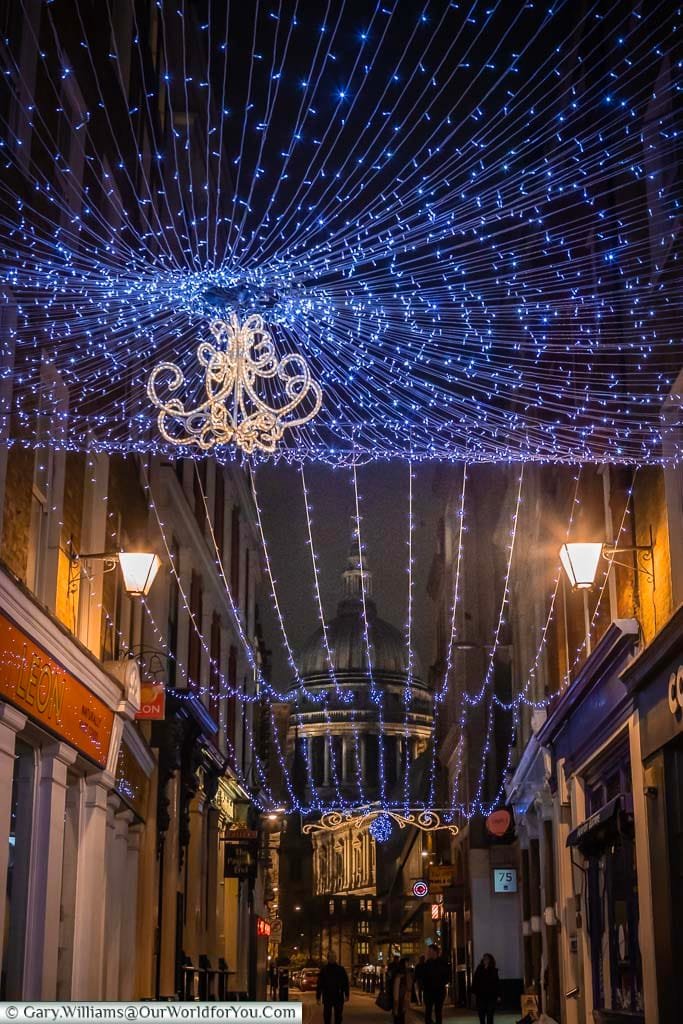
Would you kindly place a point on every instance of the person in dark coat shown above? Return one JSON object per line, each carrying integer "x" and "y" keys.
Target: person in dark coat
{"x": 332, "y": 989}
{"x": 486, "y": 987}
{"x": 434, "y": 983}
{"x": 418, "y": 976}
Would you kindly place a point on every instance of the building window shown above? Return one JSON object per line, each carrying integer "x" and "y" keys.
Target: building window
{"x": 194, "y": 646}
{"x": 215, "y": 669}
{"x": 363, "y": 948}
{"x": 21, "y": 817}
{"x": 199, "y": 491}
{"x": 363, "y": 927}
{"x": 172, "y": 624}
{"x": 235, "y": 553}
{"x": 330, "y": 906}
{"x": 219, "y": 513}
{"x": 67, "y": 911}
{"x": 231, "y": 704}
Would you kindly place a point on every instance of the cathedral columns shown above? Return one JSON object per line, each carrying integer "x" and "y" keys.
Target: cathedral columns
{"x": 344, "y": 758}
{"x": 326, "y": 760}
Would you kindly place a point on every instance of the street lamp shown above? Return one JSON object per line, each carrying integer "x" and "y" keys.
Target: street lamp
{"x": 580, "y": 560}
{"x": 139, "y": 571}
{"x": 138, "y": 568}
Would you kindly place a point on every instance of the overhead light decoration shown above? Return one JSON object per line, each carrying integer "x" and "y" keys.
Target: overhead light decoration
{"x": 236, "y": 410}
{"x": 380, "y": 821}
{"x": 381, "y": 828}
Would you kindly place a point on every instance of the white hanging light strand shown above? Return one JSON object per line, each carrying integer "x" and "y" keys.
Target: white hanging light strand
{"x": 408, "y": 688}
{"x": 376, "y": 694}
{"x": 441, "y": 693}
{"x": 345, "y": 696}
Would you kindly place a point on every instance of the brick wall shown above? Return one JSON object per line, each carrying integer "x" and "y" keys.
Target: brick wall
{"x": 17, "y": 512}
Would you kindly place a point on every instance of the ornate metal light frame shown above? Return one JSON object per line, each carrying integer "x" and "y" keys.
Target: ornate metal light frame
{"x": 234, "y": 412}
{"x": 423, "y": 818}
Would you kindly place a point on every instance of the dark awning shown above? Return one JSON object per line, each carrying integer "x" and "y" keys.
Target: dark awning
{"x": 596, "y": 832}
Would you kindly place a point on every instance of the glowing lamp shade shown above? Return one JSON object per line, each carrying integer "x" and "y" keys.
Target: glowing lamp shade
{"x": 580, "y": 562}
{"x": 139, "y": 570}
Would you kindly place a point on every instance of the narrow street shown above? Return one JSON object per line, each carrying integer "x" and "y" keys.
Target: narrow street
{"x": 361, "y": 1007}
{"x": 341, "y": 508}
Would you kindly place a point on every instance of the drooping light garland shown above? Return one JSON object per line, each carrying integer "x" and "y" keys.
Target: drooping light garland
{"x": 344, "y": 697}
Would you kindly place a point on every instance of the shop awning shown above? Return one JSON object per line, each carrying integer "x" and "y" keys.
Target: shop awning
{"x": 596, "y": 832}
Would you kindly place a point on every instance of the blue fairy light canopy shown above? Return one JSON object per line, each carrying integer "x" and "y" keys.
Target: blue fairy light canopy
{"x": 462, "y": 218}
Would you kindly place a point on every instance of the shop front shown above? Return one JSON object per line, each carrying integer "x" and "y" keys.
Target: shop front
{"x": 655, "y": 680}
{"x": 590, "y": 733}
{"x": 60, "y": 732}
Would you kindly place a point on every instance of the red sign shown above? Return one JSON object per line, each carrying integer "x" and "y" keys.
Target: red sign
{"x": 240, "y": 835}
{"x": 498, "y": 823}
{"x": 152, "y": 701}
{"x": 41, "y": 688}
{"x": 262, "y": 927}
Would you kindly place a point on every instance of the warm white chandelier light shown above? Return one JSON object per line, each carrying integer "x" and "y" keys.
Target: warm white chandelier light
{"x": 234, "y": 412}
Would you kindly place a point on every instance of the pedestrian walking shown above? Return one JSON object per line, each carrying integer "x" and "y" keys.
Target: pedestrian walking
{"x": 486, "y": 987}
{"x": 434, "y": 984}
{"x": 402, "y": 983}
{"x": 332, "y": 989}
{"x": 418, "y": 974}
{"x": 272, "y": 979}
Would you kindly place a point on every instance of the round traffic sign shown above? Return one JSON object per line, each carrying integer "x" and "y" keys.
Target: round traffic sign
{"x": 420, "y": 889}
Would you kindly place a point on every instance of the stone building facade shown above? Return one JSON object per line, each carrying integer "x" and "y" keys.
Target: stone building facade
{"x": 114, "y": 813}
{"x": 347, "y": 754}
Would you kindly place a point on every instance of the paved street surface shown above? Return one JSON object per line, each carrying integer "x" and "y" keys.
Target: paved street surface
{"x": 361, "y": 1007}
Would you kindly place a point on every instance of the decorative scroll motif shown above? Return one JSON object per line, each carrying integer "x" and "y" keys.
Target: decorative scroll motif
{"x": 234, "y": 412}
{"x": 427, "y": 820}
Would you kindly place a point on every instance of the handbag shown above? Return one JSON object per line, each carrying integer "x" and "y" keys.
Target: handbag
{"x": 383, "y": 1001}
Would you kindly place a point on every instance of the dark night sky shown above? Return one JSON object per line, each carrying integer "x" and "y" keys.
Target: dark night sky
{"x": 384, "y": 490}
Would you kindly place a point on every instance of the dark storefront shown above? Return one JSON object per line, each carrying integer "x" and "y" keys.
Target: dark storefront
{"x": 656, "y": 681}
{"x": 588, "y": 732}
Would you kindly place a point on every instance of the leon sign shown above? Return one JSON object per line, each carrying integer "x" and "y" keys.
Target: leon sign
{"x": 41, "y": 688}
{"x": 152, "y": 701}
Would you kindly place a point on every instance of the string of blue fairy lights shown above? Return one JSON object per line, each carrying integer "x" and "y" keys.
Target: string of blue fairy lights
{"x": 441, "y": 694}
{"x": 408, "y": 688}
{"x": 441, "y": 238}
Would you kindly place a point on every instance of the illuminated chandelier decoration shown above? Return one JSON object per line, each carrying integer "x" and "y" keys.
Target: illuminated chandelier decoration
{"x": 234, "y": 412}
{"x": 379, "y": 819}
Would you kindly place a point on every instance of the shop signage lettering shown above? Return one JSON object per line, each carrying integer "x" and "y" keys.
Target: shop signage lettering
{"x": 37, "y": 685}
{"x": 152, "y": 701}
{"x": 441, "y": 877}
{"x": 675, "y": 692}
{"x": 262, "y": 927}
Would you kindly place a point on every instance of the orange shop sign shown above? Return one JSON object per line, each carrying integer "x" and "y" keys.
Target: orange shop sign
{"x": 37, "y": 685}
{"x": 152, "y": 701}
